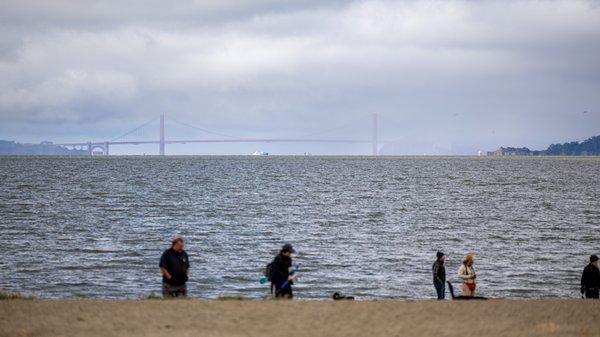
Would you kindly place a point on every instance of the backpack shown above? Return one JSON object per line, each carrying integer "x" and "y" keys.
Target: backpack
{"x": 269, "y": 272}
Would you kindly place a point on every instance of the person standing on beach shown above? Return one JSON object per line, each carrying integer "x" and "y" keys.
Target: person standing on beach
{"x": 281, "y": 273}
{"x": 175, "y": 268}
{"x": 590, "y": 279}
{"x": 466, "y": 272}
{"x": 439, "y": 276}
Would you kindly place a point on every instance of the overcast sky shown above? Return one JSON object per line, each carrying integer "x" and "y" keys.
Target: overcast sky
{"x": 445, "y": 77}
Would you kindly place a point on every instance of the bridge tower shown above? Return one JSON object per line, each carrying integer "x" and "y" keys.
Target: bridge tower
{"x": 162, "y": 135}
{"x": 374, "y": 139}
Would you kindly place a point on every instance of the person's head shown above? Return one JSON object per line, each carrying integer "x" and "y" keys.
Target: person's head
{"x": 287, "y": 250}
{"x": 177, "y": 244}
{"x": 468, "y": 259}
{"x": 594, "y": 260}
{"x": 441, "y": 257}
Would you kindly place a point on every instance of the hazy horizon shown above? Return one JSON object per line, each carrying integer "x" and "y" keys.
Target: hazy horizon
{"x": 445, "y": 78}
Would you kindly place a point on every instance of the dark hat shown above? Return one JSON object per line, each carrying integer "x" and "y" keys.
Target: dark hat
{"x": 439, "y": 255}
{"x": 287, "y": 248}
{"x": 177, "y": 238}
{"x": 593, "y": 258}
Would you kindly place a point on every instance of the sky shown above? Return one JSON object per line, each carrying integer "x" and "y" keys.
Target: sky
{"x": 444, "y": 77}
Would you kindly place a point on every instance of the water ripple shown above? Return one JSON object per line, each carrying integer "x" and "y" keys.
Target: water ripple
{"x": 78, "y": 227}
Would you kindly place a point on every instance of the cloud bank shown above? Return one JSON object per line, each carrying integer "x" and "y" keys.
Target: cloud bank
{"x": 445, "y": 77}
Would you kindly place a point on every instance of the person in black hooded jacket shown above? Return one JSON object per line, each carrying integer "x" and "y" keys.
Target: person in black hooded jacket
{"x": 439, "y": 276}
{"x": 590, "y": 279}
{"x": 281, "y": 272}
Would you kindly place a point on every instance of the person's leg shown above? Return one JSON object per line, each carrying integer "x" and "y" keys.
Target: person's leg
{"x": 283, "y": 292}
{"x": 287, "y": 293}
{"x": 438, "y": 289}
{"x": 166, "y": 291}
{"x": 465, "y": 290}
{"x": 278, "y": 291}
{"x": 182, "y": 292}
{"x": 443, "y": 286}
{"x": 592, "y": 294}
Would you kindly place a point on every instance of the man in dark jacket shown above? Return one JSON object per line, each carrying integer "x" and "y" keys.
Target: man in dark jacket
{"x": 439, "y": 276}
{"x": 175, "y": 268}
{"x": 590, "y": 279}
{"x": 281, "y": 272}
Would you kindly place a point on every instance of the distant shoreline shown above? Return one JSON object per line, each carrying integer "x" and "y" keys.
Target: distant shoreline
{"x": 457, "y": 156}
{"x": 589, "y": 147}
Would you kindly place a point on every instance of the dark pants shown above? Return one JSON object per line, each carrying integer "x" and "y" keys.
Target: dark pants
{"x": 592, "y": 293}
{"x": 440, "y": 288}
{"x": 170, "y": 291}
{"x": 282, "y": 292}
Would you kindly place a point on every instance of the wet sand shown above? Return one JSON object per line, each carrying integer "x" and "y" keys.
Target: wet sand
{"x": 299, "y": 318}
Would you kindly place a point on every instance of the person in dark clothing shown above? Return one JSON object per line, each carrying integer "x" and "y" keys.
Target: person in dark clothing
{"x": 281, "y": 271}
{"x": 175, "y": 268}
{"x": 439, "y": 276}
{"x": 590, "y": 279}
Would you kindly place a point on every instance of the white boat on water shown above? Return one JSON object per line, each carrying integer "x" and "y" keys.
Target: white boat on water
{"x": 260, "y": 153}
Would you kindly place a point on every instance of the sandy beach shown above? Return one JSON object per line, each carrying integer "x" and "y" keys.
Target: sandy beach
{"x": 299, "y": 318}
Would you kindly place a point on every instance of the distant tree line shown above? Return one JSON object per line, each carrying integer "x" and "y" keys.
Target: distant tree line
{"x": 43, "y": 149}
{"x": 589, "y": 147}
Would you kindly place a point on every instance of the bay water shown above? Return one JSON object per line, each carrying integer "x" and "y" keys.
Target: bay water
{"x": 363, "y": 226}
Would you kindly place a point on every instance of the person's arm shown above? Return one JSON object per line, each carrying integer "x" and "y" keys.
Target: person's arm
{"x": 279, "y": 270}
{"x": 163, "y": 266}
{"x": 436, "y": 269}
{"x": 165, "y": 273}
{"x": 463, "y": 273}
{"x": 291, "y": 274}
{"x": 583, "y": 277}
{"x": 187, "y": 265}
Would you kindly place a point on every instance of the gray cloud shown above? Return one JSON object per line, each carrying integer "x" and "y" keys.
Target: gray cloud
{"x": 445, "y": 77}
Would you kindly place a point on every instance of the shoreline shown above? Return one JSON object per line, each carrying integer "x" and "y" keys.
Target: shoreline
{"x": 193, "y": 317}
{"x": 317, "y": 156}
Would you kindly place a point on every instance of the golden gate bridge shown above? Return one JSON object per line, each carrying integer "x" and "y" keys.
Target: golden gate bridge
{"x": 105, "y": 146}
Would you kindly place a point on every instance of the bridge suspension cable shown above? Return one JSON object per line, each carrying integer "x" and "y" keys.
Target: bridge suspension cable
{"x": 202, "y": 129}
{"x": 132, "y": 131}
{"x": 316, "y": 133}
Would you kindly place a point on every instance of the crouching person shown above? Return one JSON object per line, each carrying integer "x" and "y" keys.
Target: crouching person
{"x": 175, "y": 268}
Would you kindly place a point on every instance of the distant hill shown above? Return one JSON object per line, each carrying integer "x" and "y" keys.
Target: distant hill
{"x": 589, "y": 147}
{"x": 44, "y": 149}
